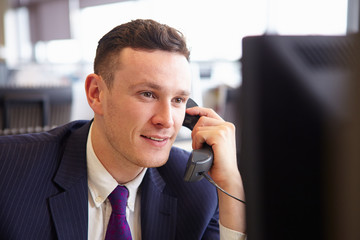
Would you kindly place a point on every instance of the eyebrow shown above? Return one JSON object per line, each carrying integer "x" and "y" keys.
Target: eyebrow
{"x": 157, "y": 87}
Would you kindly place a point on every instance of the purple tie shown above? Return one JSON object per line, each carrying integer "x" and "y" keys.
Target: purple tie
{"x": 118, "y": 227}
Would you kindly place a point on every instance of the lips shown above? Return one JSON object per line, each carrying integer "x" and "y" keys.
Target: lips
{"x": 158, "y": 139}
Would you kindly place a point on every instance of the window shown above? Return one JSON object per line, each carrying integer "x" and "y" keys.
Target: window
{"x": 214, "y": 29}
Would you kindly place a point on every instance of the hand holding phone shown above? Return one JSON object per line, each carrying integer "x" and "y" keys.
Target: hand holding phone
{"x": 200, "y": 160}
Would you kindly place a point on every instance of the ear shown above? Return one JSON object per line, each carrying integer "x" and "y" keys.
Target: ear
{"x": 94, "y": 87}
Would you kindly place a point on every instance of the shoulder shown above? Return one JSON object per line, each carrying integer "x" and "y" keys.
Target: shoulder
{"x": 173, "y": 174}
{"x": 42, "y": 137}
{"x": 193, "y": 198}
{"x": 25, "y": 156}
{"x": 178, "y": 154}
{"x": 176, "y": 163}
{"x": 37, "y": 145}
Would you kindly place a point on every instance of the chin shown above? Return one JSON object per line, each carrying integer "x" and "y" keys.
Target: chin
{"x": 152, "y": 157}
{"x": 154, "y": 161}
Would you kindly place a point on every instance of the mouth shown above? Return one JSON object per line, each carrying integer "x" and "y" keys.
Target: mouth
{"x": 157, "y": 139}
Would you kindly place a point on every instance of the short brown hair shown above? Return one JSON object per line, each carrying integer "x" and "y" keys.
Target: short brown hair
{"x": 137, "y": 34}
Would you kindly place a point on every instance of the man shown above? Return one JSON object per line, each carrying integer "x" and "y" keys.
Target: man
{"x": 55, "y": 185}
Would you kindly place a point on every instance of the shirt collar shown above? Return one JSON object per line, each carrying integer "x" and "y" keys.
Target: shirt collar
{"x": 100, "y": 181}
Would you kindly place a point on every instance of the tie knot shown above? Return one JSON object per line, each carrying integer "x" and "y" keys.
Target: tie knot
{"x": 118, "y": 199}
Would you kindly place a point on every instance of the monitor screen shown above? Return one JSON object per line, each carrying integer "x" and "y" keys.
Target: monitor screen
{"x": 297, "y": 98}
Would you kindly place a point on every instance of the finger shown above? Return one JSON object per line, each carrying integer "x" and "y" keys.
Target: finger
{"x": 205, "y": 129}
{"x": 202, "y": 129}
{"x": 216, "y": 134}
{"x": 202, "y": 136}
{"x": 203, "y": 112}
{"x": 208, "y": 121}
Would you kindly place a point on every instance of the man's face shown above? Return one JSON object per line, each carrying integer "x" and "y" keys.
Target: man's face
{"x": 144, "y": 110}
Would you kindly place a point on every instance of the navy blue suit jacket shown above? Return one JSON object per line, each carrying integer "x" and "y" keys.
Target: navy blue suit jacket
{"x": 44, "y": 191}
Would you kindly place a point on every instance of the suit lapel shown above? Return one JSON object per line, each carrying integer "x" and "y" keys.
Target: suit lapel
{"x": 69, "y": 209}
{"x": 158, "y": 210}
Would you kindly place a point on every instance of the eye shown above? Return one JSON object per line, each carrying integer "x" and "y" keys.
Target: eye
{"x": 148, "y": 94}
{"x": 179, "y": 100}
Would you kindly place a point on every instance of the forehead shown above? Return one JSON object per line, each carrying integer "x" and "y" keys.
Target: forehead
{"x": 157, "y": 67}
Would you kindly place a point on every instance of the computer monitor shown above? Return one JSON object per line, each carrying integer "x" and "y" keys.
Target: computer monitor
{"x": 300, "y": 137}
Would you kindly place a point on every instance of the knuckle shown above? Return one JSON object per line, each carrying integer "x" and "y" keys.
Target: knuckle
{"x": 227, "y": 129}
{"x": 231, "y": 126}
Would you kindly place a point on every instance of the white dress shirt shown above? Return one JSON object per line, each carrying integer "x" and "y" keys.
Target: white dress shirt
{"x": 101, "y": 184}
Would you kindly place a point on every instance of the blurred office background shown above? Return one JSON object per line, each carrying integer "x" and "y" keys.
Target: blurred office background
{"x": 51, "y": 43}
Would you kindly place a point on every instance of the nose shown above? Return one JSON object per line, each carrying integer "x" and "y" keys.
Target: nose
{"x": 163, "y": 115}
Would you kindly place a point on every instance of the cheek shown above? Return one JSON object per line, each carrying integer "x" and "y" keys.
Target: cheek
{"x": 118, "y": 117}
{"x": 179, "y": 116}
{"x": 131, "y": 115}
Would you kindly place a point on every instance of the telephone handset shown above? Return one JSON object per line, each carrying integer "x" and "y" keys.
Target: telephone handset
{"x": 200, "y": 160}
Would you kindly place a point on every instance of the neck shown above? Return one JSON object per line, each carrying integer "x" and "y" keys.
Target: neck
{"x": 121, "y": 169}
{"x": 122, "y": 173}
